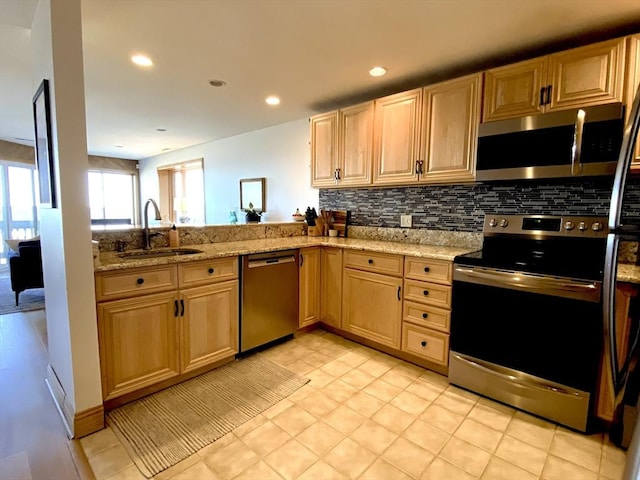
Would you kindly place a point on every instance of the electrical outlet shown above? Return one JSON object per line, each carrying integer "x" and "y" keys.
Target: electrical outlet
{"x": 406, "y": 220}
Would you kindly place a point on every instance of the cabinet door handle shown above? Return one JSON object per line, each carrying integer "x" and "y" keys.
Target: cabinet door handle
{"x": 211, "y": 270}
{"x": 542, "y": 91}
{"x": 301, "y": 260}
{"x": 425, "y": 315}
{"x": 181, "y": 307}
{"x": 336, "y": 174}
{"x": 426, "y": 269}
{"x": 140, "y": 281}
{"x": 419, "y": 164}
{"x": 399, "y": 288}
{"x": 423, "y": 343}
{"x": 175, "y": 308}
{"x": 370, "y": 261}
{"x": 548, "y": 99}
{"x": 425, "y": 292}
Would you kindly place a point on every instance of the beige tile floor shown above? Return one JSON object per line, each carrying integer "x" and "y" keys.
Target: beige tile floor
{"x": 366, "y": 415}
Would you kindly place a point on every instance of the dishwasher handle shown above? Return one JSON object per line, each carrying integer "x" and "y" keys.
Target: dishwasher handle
{"x": 266, "y": 262}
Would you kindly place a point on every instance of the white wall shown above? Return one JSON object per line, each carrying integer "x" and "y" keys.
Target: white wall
{"x": 280, "y": 153}
{"x": 66, "y": 230}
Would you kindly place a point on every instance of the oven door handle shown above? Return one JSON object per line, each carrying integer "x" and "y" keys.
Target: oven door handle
{"x": 529, "y": 382}
{"x": 558, "y": 287}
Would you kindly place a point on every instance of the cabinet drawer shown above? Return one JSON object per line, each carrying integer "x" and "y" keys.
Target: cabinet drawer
{"x": 425, "y": 343}
{"x": 374, "y": 262}
{"x": 427, "y": 316}
{"x": 438, "y": 271}
{"x": 207, "y": 271}
{"x": 135, "y": 281}
{"x": 428, "y": 293}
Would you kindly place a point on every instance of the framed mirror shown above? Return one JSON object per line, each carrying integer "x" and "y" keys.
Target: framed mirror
{"x": 252, "y": 190}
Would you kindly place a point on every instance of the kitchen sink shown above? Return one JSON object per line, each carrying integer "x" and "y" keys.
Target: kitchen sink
{"x": 161, "y": 252}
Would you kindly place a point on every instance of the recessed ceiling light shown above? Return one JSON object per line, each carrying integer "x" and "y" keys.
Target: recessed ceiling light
{"x": 161, "y": 129}
{"x": 272, "y": 100}
{"x": 217, "y": 83}
{"x": 141, "y": 60}
{"x": 165, "y": 149}
{"x": 119, "y": 146}
{"x": 377, "y": 71}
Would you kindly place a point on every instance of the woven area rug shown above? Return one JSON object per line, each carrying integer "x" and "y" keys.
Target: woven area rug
{"x": 162, "y": 429}
{"x": 32, "y": 299}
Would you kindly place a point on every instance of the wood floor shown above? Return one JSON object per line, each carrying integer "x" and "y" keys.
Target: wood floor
{"x": 33, "y": 443}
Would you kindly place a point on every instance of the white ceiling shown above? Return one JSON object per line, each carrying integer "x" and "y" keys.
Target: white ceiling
{"x": 314, "y": 54}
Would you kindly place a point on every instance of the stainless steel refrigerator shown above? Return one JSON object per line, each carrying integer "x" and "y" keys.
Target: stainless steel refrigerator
{"x": 621, "y": 357}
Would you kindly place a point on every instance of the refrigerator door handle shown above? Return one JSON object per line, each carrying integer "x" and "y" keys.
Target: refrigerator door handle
{"x": 608, "y": 313}
{"x": 627, "y": 152}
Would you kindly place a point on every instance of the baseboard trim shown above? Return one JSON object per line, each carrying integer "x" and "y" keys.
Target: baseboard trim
{"x": 77, "y": 424}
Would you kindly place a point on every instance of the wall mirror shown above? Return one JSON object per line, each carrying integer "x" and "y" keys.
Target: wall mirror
{"x": 252, "y": 190}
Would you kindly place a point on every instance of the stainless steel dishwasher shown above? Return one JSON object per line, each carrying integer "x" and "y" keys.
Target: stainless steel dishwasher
{"x": 269, "y": 298}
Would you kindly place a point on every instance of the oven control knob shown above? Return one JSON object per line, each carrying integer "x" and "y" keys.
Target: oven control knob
{"x": 493, "y": 222}
{"x": 596, "y": 227}
{"x": 569, "y": 225}
{"x": 504, "y": 222}
{"x": 582, "y": 226}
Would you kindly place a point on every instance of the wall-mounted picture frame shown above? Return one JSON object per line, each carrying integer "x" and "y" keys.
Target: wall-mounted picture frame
{"x": 44, "y": 145}
{"x": 252, "y": 192}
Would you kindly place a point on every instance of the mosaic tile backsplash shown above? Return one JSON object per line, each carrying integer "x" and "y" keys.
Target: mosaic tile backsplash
{"x": 463, "y": 207}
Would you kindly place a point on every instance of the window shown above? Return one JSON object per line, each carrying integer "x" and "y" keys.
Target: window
{"x": 182, "y": 192}
{"x": 112, "y": 199}
{"x": 18, "y": 211}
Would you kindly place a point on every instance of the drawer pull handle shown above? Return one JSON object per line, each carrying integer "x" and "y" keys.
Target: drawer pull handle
{"x": 423, "y": 343}
{"x": 426, "y": 292}
{"x": 370, "y": 261}
{"x": 140, "y": 281}
{"x": 399, "y": 288}
{"x": 425, "y": 315}
{"x": 426, "y": 269}
{"x": 211, "y": 270}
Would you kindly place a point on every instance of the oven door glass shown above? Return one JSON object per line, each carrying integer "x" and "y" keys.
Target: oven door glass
{"x": 550, "y": 337}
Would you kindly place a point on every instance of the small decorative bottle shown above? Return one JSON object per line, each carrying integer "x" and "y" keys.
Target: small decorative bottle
{"x": 174, "y": 238}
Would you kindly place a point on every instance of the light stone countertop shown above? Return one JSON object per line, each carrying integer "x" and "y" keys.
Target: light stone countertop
{"x": 112, "y": 261}
{"x": 628, "y": 272}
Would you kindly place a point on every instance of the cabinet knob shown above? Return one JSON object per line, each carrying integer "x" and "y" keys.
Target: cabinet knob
{"x": 140, "y": 281}
{"x": 423, "y": 343}
{"x": 210, "y": 270}
{"x": 425, "y": 292}
{"x": 370, "y": 261}
{"x": 426, "y": 269}
{"x": 425, "y": 315}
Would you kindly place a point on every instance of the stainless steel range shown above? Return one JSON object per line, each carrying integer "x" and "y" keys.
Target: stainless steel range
{"x": 526, "y": 324}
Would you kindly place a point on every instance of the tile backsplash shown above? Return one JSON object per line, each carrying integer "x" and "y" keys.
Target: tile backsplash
{"x": 463, "y": 207}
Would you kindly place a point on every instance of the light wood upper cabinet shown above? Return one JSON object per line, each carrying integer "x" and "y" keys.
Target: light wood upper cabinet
{"x": 396, "y": 138}
{"x": 591, "y": 75}
{"x": 341, "y": 147}
{"x": 138, "y": 340}
{"x": 331, "y": 286}
{"x": 451, "y": 114}
{"x": 309, "y": 281}
{"x": 324, "y": 149}
{"x": 514, "y": 90}
{"x": 632, "y": 82}
{"x": 208, "y": 324}
{"x": 355, "y": 145}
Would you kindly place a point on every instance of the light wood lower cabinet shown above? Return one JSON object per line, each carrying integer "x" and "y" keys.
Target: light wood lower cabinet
{"x": 146, "y": 338}
{"x": 331, "y": 286}
{"x": 309, "y": 291}
{"x": 372, "y": 306}
{"x": 138, "y": 342}
{"x": 208, "y": 324}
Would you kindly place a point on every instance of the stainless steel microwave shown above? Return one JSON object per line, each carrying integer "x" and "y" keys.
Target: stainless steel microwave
{"x": 568, "y": 143}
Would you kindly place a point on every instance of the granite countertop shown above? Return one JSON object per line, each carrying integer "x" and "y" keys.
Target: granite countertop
{"x": 628, "y": 272}
{"x": 112, "y": 261}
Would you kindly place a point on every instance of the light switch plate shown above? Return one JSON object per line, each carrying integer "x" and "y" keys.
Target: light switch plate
{"x": 406, "y": 220}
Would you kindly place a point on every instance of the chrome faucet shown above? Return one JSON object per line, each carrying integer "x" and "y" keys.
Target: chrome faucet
{"x": 146, "y": 236}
